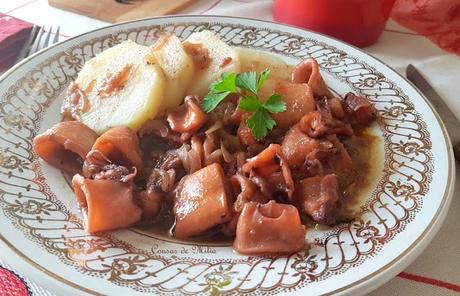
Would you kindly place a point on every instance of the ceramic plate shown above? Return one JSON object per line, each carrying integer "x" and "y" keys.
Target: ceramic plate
{"x": 42, "y": 233}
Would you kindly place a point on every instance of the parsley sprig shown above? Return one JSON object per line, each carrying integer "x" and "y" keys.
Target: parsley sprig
{"x": 248, "y": 85}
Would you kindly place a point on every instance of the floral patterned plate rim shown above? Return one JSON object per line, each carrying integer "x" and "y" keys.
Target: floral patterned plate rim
{"x": 42, "y": 232}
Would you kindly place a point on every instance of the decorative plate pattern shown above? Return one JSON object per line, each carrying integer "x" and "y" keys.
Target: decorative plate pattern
{"x": 39, "y": 207}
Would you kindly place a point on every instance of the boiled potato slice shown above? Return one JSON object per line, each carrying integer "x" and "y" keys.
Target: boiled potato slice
{"x": 222, "y": 58}
{"x": 257, "y": 61}
{"x": 177, "y": 66}
{"x": 121, "y": 87}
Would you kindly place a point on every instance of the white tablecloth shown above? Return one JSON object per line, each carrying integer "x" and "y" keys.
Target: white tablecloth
{"x": 437, "y": 270}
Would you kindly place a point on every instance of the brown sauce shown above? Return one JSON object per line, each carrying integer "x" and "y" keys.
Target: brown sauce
{"x": 363, "y": 150}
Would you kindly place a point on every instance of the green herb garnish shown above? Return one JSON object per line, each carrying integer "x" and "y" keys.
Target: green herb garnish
{"x": 248, "y": 85}
{"x": 218, "y": 91}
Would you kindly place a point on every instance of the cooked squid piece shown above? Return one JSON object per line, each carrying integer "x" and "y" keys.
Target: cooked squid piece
{"x": 65, "y": 145}
{"x": 120, "y": 146}
{"x": 320, "y": 123}
{"x": 299, "y": 101}
{"x": 307, "y": 71}
{"x": 319, "y": 198}
{"x": 188, "y": 117}
{"x": 106, "y": 204}
{"x": 316, "y": 124}
{"x": 270, "y": 168}
{"x": 189, "y": 156}
{"x": 332, "y": 154}
{"x": 269, "y": 229}
{"x": 160, "y": 128}
{"x": 298, "y": 147}
{"x": 202, "y": 202}
{"x": 360, "y": 109}
{"x": 247, "y": 191}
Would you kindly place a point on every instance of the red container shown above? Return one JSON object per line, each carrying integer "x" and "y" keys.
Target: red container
{"x": 359, "y": 22}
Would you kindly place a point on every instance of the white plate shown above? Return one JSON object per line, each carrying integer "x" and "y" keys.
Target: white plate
{"x": 42, "y": 233}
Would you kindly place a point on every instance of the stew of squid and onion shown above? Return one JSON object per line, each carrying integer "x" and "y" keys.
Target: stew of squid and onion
{"x": 206, "y": 173}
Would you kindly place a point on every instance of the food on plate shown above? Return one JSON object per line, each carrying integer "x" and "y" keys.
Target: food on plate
{"x": 118, "y": 87}
{"x": 212, "y": 57}
{"x": 272, "y": 228}
{"x": 178, "y": 68}
{"x": 307, "y": 72}
{"x": 210, "y": 140}
{"x": 65, "y": 145}
{"x": 257, "y": 61}
{"x": 106, "y": 204}
{"x": 119, "y": 145}
{"x": 299, "y": 101}
{"x": 202, "y": 201}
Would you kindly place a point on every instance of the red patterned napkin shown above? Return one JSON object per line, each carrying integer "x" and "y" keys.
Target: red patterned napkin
{"x": 13, "y": 33}
{"x": 439, "y": 20}
{"x": 12, "y": 284}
